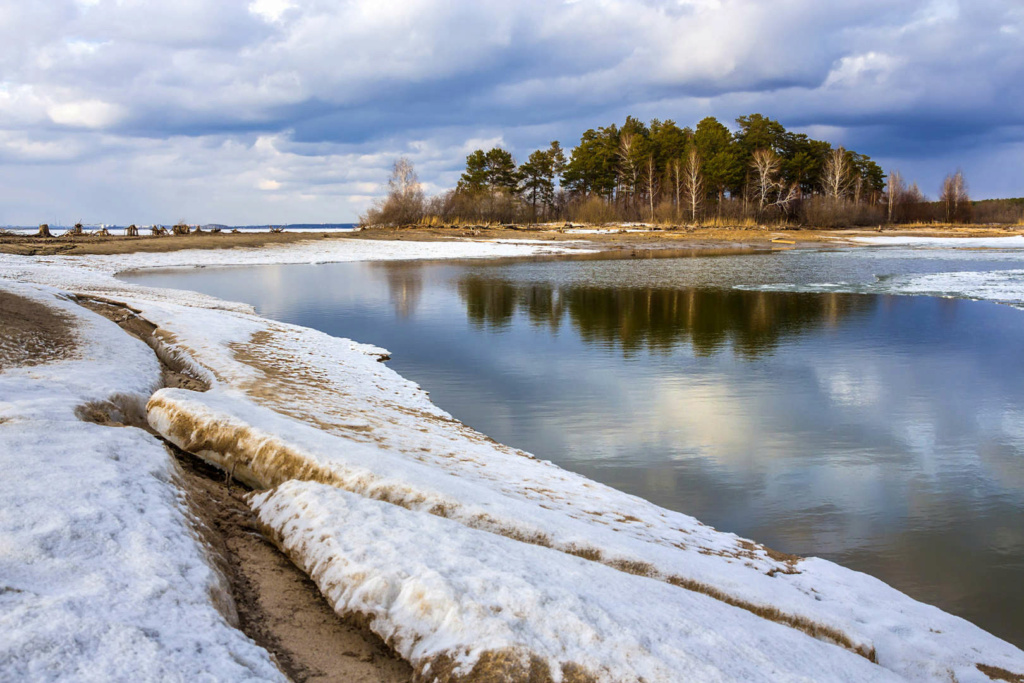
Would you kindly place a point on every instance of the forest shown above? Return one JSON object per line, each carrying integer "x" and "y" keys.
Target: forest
{"x": 706, "y": 175}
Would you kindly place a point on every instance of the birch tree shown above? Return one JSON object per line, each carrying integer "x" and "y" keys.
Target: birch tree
{"x": 766, "y": 164}
{"x": 404, "y": 202}
{"x": 629, "y": 169}
{"x": 651, "y": 182}
{"x": 953, "y": 195}
{"x": 836, "y": 174}
{"x": 677, "y": 181}
{"x": 895, "y": 190}
{"x": 693, "y": 181}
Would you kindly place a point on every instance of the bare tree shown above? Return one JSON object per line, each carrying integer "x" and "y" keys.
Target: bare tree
{"x": 677, "y": 180}
{"x": 693, "y": 181}
{"x": 766, "y": 164}
{"x": 836, "y": 174}
{"x": 953, "y": 195}
{"x": 628, "y": 168}
{"x": 895, "y": 193}
{"x": 651, "y": 182}
{"x": 771, "y": 190}
{"x": 404, "y": 202}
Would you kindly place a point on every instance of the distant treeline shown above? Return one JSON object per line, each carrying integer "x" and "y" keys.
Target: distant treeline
{"x": 662, "y": 173}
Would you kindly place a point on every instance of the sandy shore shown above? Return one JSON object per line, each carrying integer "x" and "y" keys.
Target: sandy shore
{"x": 602, "y": 237}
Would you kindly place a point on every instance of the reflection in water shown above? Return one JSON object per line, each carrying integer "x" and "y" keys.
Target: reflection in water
{"x": 657, "y": 319}
{"x": 883, "y": 432}
{"x": 405, "y": 285}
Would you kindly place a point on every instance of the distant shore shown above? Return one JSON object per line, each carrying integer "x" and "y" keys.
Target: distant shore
{"x": 608, "y": 236}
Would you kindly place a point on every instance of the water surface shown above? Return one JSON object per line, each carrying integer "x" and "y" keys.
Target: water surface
{"x": 883, "y": 432}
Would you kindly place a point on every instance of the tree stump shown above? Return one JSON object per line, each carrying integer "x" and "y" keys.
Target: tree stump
{"x": 44, "y": 231}
{"x": 131, "y": 231}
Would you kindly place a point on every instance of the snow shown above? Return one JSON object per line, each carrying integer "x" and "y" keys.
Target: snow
{"x": 604, "y": 231}
{"x": 1009, "y": 242}
{"x": 383, "y": 480}
{"x": 477, "y": 594}
{"x": 993, "y": 278}
{"x": 101, "y": 574}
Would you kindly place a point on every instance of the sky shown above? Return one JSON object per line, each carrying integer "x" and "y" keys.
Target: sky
{"x": 290, "y": 111}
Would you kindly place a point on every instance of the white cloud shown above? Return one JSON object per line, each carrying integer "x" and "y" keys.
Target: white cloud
{"x": 299, "y": 87}
{"x": 86, "y": 114}
{"x": 270, "y": 10}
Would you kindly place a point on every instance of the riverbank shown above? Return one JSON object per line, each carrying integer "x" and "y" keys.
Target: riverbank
{"x": 602, "y": 237}
{"x": 469, "y": 558}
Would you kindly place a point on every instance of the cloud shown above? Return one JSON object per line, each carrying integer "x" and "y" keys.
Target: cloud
{"x": 359, "y": 81}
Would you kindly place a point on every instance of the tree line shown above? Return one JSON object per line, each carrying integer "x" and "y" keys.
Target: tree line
{"x": 662, "y": 173}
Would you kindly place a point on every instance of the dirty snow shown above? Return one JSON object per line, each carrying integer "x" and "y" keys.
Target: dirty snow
{"x": 477, "y": 592}
{"x": 292, "y": 403}
{"x": 101, "y": 574}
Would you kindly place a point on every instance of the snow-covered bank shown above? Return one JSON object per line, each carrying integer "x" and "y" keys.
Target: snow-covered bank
{"x": 480, "y": 603}
{"x": 101, "y": 574}
{"x": 289, "y": 404}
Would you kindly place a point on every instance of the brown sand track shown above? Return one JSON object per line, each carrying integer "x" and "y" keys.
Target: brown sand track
{"x": 32, "y": 333}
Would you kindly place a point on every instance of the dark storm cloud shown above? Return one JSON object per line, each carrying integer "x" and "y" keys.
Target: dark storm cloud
{"x": 293, "y": 110}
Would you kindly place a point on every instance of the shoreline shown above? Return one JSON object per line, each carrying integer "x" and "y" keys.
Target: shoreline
{"x": 606, "y": 237}
{"x": 252, "y": 361}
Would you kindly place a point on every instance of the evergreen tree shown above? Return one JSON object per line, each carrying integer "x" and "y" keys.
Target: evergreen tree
{"x": 716, "y": 147}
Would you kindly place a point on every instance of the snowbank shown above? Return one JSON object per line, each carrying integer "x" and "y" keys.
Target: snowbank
{"x": 447, "y": 597}
{"x": 101, "y": 574}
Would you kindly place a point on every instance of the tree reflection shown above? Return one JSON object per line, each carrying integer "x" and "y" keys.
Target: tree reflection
{"x": 405, "y": 285}
{"x": 658, "y": 319}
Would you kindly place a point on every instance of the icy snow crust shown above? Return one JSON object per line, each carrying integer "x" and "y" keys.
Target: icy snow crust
{"x": 1000, "y": 286}
{"x": 356, "y": 451}
{"x": 538, "y": 607}
{"x": 101, "y": 575}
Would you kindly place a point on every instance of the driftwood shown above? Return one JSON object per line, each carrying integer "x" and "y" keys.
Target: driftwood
{"x": 198, "y": 230}
{"x": 276, "y": 230}
{"x": 44, "y": 231}
{"x": 76, "y": 230}
{"x": 158, "y": 230}
{"x": 102, "y": 232}
{"x": 236, "y": 231}
{"x": 181, "y": 229}
{"x": 215, "y": 230}
{"x": 131, "y": 231}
